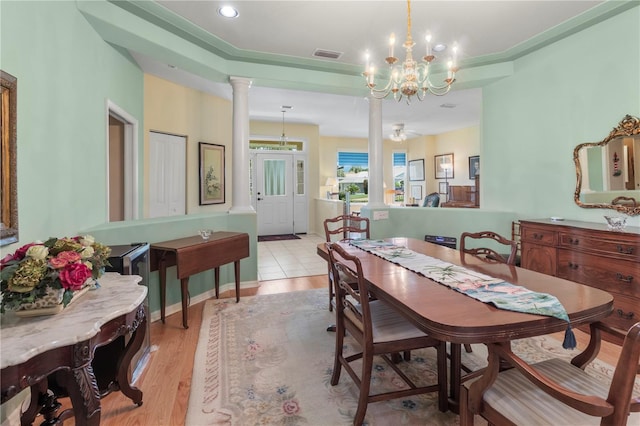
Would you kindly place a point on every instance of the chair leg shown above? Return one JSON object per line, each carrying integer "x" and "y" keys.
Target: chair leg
{"x": 467, "y": 348}
{"x": 365, "y": 388}
{"x": 337, "y": 364}
{"x": 330, "y": 294}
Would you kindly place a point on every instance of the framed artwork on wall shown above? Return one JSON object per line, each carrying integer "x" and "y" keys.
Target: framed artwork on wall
{"x": 443, "y": 187}
{"x": 212, "y": 185}
{"x": 8, "y": 159}
{"x": 416, "y": 170}
{"x": 444, "y": 166}
{"x": 416, "y": 192}
{"x": 474, "y": 166}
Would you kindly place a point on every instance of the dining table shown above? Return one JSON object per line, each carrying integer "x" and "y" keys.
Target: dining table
{"x": 453, "y": 317}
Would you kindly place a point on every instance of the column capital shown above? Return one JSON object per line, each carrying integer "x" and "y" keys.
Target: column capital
{"x": 233, "y": 80}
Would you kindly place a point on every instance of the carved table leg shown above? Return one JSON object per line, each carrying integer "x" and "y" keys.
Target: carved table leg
{"x": 139, "y": 328}
{"x": 83, "y": 391}
{"x": 216, "y": 275}
{"x": 38, "y": 391}
{"x": 162, "y": 272}
{"x": 236, "y": 267}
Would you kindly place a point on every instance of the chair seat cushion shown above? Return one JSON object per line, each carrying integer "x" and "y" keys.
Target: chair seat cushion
{"x": 523, "y": 403}
{"x": 389, "y": 325}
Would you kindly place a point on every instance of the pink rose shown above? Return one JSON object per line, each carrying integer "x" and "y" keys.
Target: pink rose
{"x": 74, "y": 275}
{"x": 64, "y": 258}
{"x": 291, "y": 407}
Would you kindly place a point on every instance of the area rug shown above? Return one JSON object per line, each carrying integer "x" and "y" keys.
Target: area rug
{"x": 268, "y": 360}
{"x": 265, "y": 238}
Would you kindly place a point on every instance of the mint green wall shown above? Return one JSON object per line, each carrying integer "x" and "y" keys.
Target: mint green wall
{"x": 65, "y": 73}
{"x": 567, "y": 93}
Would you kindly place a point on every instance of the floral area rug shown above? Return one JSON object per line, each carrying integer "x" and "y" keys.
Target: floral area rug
{"x": 268, "y": 360}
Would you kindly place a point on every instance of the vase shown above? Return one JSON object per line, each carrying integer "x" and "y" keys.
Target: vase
{"x": 49, "y": 304}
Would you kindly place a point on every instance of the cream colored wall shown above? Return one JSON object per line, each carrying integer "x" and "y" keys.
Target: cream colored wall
{"x": 463, "y": 144}
{"x": 175, "y": 109}
{"x": 310, "y": 135}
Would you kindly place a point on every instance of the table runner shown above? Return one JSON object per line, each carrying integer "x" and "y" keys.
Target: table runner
{"x": 499, "y": 293}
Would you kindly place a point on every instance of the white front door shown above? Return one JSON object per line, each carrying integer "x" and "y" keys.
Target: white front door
{"x": 274, "y": 193}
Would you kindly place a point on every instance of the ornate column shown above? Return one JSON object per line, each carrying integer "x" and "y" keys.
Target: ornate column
{"x": 240, "y": 199}
{"x": 376, "y": 179}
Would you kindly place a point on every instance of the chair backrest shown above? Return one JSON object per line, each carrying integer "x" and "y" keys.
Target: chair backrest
{"x": 342, "y": 228}
{"x": 352, "y": 301}
{"x": 431, "y": 200}
{"x": 487, "y": 253}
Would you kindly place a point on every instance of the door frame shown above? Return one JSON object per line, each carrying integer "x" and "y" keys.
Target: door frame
{"x": 296, "y": 155}
{"x": 131, "y": 191}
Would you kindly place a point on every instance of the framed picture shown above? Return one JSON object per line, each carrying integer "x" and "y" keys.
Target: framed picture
{"x": 8, "y": 159}
{"x": 444, "y": 166}
{"x": 474, "y": 166}
{"x": 416, "y": 170}
{"x": 211, "y": 174}
{"x": 443, "y": 187}
{"x": 416, "y": 192}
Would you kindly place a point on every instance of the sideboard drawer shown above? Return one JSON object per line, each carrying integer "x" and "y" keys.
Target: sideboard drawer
{"x": 618, "y": 248}
{"x": 618, "y": 276}
{"x": 539, "y": 236}
{"x": 626, "y": 312}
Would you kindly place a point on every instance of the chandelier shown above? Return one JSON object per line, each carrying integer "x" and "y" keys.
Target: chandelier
{"x": 411, "y": 78}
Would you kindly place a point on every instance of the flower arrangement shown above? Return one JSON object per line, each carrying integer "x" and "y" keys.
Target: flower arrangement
{"x": 58, "y": 263}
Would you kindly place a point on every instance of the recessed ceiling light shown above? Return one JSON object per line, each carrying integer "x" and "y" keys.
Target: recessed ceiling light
{"x": 440, "y": 47}
{"x": 228, "y": 12}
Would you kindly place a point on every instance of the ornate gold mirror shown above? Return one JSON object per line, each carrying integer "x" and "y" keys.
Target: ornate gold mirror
{"x": 607, "y": 172}
{"x": 8, "y": 184}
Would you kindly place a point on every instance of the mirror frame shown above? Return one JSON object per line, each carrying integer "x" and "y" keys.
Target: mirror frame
{"x": 8, "y": 184}
{"x": 629, "y": 126}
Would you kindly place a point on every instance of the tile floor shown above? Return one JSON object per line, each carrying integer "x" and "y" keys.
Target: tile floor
{"x": 290, "y": 258}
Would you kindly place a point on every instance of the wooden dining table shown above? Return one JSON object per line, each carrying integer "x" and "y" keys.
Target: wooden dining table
{"x": 459, "y": 319}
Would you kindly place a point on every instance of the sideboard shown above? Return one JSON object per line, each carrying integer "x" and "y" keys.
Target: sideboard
{"x": 590, "y": 254}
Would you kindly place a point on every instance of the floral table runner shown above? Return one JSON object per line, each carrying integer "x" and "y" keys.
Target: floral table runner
{"x": 501, "y": 294}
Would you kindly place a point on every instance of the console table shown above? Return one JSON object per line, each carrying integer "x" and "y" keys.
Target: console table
{"x": 192, "y": 255}
{"x": 34, "y": 348}
{"x": 588, "y": 253}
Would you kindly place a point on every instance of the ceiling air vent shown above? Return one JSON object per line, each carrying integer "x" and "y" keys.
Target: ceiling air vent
{"x": 326, "y": 54}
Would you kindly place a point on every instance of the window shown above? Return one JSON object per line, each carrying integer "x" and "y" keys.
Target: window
{"x": 353, "y": 175}
{"x": 399, "y": 173}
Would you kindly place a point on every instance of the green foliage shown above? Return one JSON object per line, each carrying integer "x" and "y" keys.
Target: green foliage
{"x": 352, "y": 188}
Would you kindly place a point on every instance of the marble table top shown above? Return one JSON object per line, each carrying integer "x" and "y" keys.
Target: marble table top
{"x": 24, "y": 338}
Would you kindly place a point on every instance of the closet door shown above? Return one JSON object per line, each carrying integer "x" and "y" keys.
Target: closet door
{"x": 167, "y": 174}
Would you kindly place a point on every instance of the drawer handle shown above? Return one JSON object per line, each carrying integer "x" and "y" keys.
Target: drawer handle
{"x": 626, "y": 279}
{"x": 623, "y": 250}
{"x": 537, "y": 236}
{"x": 574, "y": 242}
{"x": 622, "y": 315}
{"x": 573, "y": 266}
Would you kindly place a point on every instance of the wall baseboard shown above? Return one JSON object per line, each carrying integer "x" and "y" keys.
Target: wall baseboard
{"x": 210, "y": 294}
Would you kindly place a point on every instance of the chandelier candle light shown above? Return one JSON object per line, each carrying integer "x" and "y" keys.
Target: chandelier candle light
{"x": 410, "y": 78}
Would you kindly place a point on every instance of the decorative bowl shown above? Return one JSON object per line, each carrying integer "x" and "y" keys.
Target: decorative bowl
{"x": 205, "y": 233}
{"x": 616, "y": 223}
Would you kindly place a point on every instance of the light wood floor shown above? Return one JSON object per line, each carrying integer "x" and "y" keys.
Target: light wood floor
{"x": 166, "y": 380}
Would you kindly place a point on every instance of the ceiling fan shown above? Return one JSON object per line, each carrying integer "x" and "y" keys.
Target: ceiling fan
{"x": 399, "y": 133}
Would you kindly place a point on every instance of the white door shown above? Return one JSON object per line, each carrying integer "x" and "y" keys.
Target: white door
{"x": 274, "y": 194}
{"x": 167, "y": 174}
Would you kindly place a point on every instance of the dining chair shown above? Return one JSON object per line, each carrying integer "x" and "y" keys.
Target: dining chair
{"x": 556, "y": 391}
{"x": 487, "y": 253}
{"x": 379, "y": 330}
{"x": 343, "y": 228}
